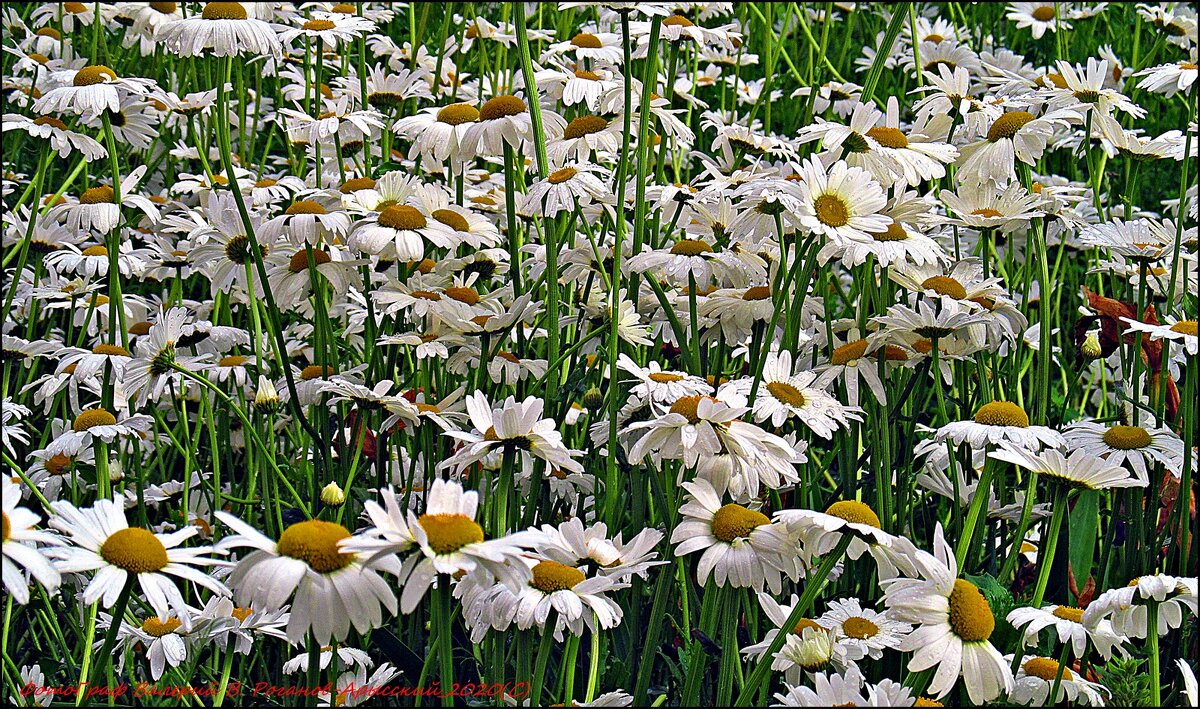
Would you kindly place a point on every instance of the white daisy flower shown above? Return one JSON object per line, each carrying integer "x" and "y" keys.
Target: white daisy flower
{"x": 332, "y": 588}
{"x": 1036, "y": 676}
{"x": 954, "y": 623}
{"x": 446, "y": 540}
{"x": 999, "y": 422}
{"x": 19, "y": 550}
{"x": 742, "y": 547}
{"x": 1138, "y": 447}
{"x": 103, "y": 542}
{"x": 223, "y": 29}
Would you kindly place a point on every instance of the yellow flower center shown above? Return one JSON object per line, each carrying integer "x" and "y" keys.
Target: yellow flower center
{"x": 135, "y": 550}
{"x": 560, "y": 176}
{"x": 314, "y": 371}
{"x": 849, "y": 352}
{"x": 452, "y": 219}
{"x": 665, "y": 377}
{"x": 463, "y": 295}
{"x": 319, "y": 25}
{"x": 889, "y": 137}
{"x": 970, "y": 615}
{"x": 690, "y": 247}
{"x": 945, "y": 285}
{"x": 300, "y": 261}
{"x": 831, "y": 210}
{"x": 231, "y": 361}
{"x": 57, "y": 464}
{"x": 805, "y": 623}
{"x": 224, "y": 11}
{"x": 95, "y": 251}
{"x": 426, "y": 295}
{"x": 935, "y": 38}
{"x": 156, "y": 628}
{"x": 1043, "y": 13}
{"x": 165, "y": 8}
{"x": 987, "y": 212}
{"x": 5, "y": 527}
{"x": 677, "y": 21}
{"x": 1046, "y": 669}
{"x": 757, "y": 293}
{"x": 50, "y": 121}
{"x": 110, "y": 350}
{"x": 96, "y": 74}
{"x": 586, "y": 40}
{"x": 551, "y": 576}
{"x": 305, "y": 206}
{"x": 402, "y": 217}
{"x": 91, "y": 418}
{"x": 1070, "y": 613}
{"x": 786, "y": 393}
{"x": 1185, "y": 327}
{"x": 500, "y": 107}
{"x": 859, "y": 628}
{"x": 1002, "y": 413}
{"x": 854, "y": 511}
{"x": 75, "y": 8}
{"x": 894, "y": 232}
{"x": 458, "y": 113}
{"x": 241, "y": 614}
{"x": 447, "y": 533}
{"x": 1006, "y": 126}
{"x": 687, "y": 407}
{"x": 97, "y": 195}
{"x": 735, "y": 522}
{"x": 1127, "y": 437}
{"x": 924, "y": 702}
{"x": 356, "y": 184}
{"x": 584, "y": 125}
{"x": 315, "y": 542}
{"x": 585, "y": 74}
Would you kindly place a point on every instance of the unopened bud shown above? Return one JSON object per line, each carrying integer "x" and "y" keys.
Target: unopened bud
{"x": 265, "y": 397}
{"x": 593, "y": 399}
{"x": 332, "y": 495}
{"x": 1091, "y": 346}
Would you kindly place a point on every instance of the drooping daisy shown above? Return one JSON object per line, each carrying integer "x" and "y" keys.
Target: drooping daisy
{"x": 1067, "y": 622}
{"x": 102, "y": 541}
{"x": 999, "y": 422}
{"x": 742, "y": 547}
{"x": 1081, "y": 470}
{"x": 1126, "y": 606}
{"x": 1138, "y": 447}
{"x": 954, "y": 623}
{"x": 332, "y": 588}
{"x": 1178, "y": 331}
{"x": 61, "y": 139}
{"x": 90, "y": 91}
{"x": 223, "y": 29}
{"x": 516, "y": 426}
{"x": 97, "y": 209}
{"x": 97, "y": 424}
{"x": 1016, "y": 135}
{"x": 505, "y": 119}
{"x": 820, "y": 532}
{"x": 19, "y": 546}
{"x": 1037, "y": 675}
{"x": 830, "y": 689}
{"x": 438, "y": 133}
{"x": 1169, "y": 79}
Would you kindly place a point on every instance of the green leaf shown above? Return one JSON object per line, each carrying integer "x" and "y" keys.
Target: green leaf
{"x": 1084, "y": 523}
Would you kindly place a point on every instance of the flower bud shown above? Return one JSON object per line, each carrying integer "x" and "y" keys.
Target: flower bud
{"x": 332, "y": 495}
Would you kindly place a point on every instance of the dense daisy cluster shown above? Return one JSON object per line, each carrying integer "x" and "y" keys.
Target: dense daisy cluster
{"x": 601, "y": 354}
